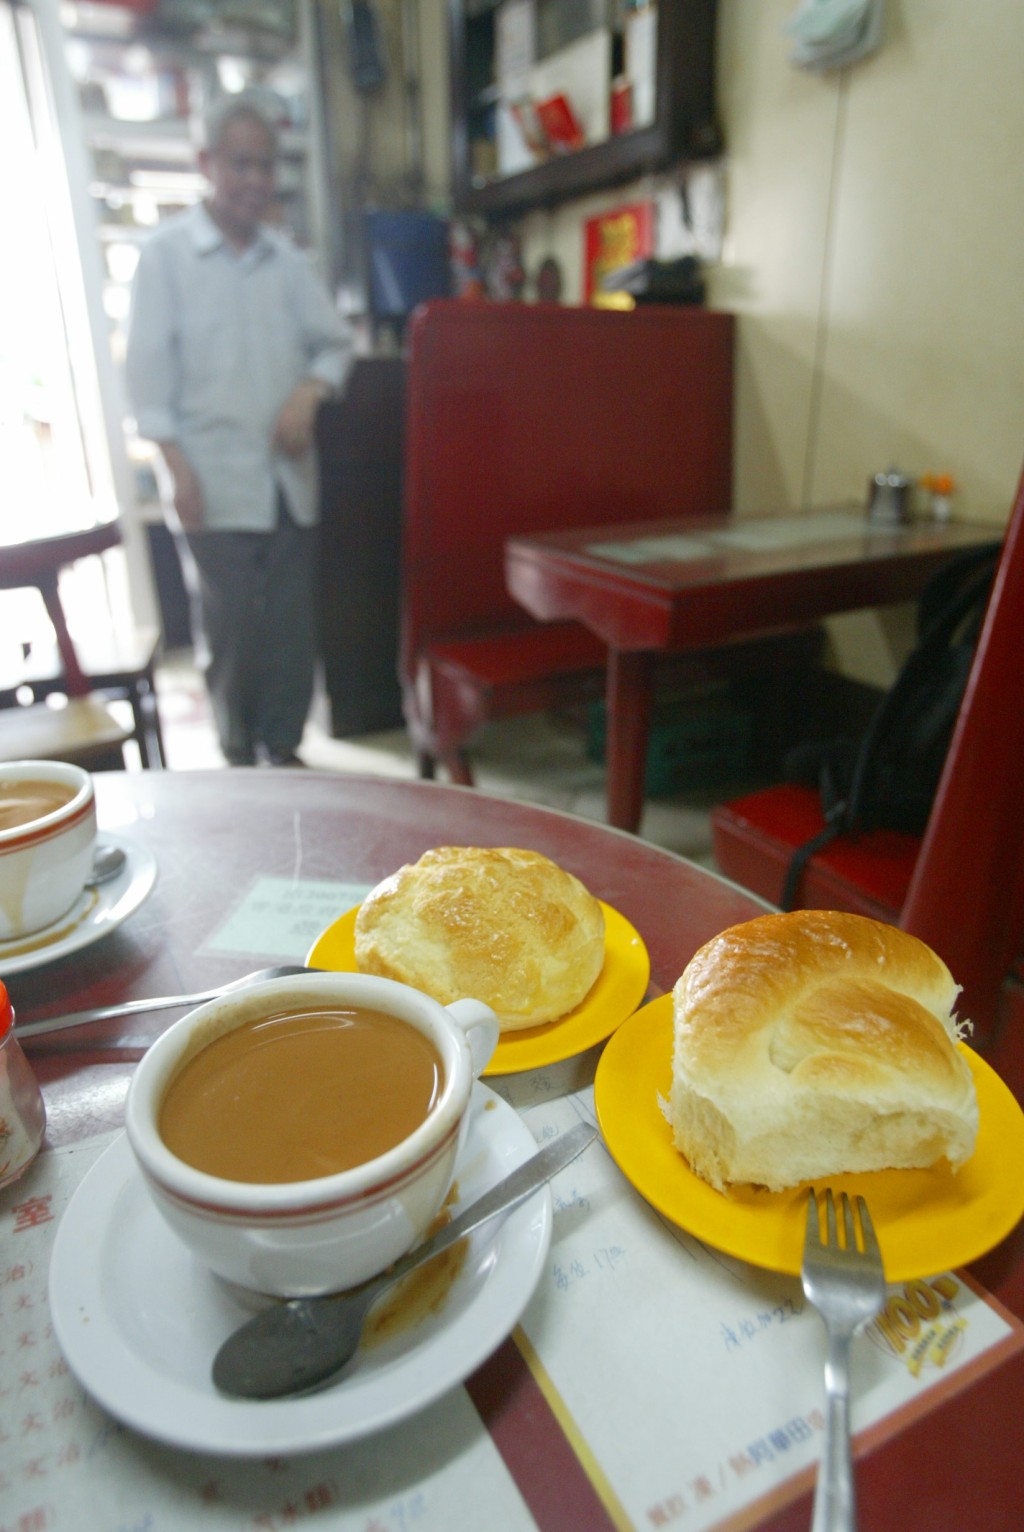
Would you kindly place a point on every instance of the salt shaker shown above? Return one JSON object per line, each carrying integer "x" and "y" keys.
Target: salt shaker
{"x": 22, "y": 1113}
{"x": 889, "y": 496}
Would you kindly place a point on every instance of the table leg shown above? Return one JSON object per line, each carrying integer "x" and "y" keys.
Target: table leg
{"x": 629, "y": 719}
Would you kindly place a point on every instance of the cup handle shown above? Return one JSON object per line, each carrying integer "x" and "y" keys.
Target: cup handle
{"x": 480, "y": 1025}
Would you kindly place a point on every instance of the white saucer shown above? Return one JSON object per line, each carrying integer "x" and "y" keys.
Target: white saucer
{"x": 98, "y": 912}
{"x": 139, "y": 1319}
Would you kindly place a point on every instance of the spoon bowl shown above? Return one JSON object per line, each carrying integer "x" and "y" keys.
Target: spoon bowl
{"x": 300, "y": 1345}
{"x": 107, "y": 862}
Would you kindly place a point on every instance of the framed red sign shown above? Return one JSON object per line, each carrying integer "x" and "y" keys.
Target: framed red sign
{"x": 613, "y": 240}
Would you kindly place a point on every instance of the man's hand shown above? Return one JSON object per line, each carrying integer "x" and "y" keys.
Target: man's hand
{"x": 188, "y": 496}
{"x": 293, "y": 431}
{"x": 188, "y": 500}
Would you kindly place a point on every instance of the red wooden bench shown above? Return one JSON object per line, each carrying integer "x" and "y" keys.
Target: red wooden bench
{"x": 961, "y": 886}
{"x": 528, "y": 418}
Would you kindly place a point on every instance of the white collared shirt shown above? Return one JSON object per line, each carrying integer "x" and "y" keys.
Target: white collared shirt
{"x": 217, "y": 341}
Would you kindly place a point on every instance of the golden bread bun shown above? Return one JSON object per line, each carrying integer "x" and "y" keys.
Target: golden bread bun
{"x": 813, "y": 1043}
{"x": 497, "y": 924}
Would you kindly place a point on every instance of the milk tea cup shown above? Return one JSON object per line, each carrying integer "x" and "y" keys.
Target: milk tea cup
{"x": 319, "y": 1232}
{"x": 47, "y": 841}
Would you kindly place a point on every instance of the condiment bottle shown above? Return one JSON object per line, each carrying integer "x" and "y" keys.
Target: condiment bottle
{"x": 22, "y": 1113}
{"x": 889, "y": 496}
{"x": 941, "y": 486}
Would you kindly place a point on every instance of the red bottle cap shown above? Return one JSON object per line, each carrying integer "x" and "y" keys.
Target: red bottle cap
{"x": 6, "y": 1012}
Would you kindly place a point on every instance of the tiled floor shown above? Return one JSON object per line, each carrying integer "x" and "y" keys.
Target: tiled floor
{"x": 541, "y": 759}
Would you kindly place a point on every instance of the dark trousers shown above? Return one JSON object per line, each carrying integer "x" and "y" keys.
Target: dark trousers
{"x": 255, "y": 633}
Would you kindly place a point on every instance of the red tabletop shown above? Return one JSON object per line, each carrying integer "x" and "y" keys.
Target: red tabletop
{"x": 213, "y": 833}
{"x": 648, "y": 588}
{"x": 24, "y": 562}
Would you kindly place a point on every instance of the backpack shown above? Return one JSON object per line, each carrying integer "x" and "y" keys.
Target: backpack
{"x": 889, "y": 777}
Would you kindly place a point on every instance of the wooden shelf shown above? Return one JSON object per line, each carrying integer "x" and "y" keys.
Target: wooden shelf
{"x": 683, "y": 125}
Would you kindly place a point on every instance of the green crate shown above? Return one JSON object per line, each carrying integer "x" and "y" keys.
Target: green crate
{"x": 690, "y": 746}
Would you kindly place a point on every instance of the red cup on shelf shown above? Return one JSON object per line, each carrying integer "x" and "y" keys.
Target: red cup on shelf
{"x": 559, "y": 121}
{"x": 622, "y": 104}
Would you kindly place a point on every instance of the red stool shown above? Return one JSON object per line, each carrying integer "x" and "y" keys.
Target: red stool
{"x": 755, "y": 837}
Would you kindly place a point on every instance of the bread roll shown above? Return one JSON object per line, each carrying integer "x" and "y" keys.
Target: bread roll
{"x": 814, "y": 1043}
{"x": 497, "y": 924}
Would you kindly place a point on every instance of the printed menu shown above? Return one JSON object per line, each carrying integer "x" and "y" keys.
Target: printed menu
{"x": 67, "y": 1466}
{"x": 689, "y": 1385}
{"x": 724, "y": 1404}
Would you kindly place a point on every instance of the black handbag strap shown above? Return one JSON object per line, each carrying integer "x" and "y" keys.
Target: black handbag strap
{"x": 835, "y": 823}
{"x": 971, "y": 576}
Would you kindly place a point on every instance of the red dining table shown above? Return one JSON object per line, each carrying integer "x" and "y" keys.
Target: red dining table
{"x": 651, "y": 588}
{"x": 955, "y": 1460}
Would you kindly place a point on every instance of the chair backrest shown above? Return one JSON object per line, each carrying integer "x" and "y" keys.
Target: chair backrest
{"x": 524, "y": 418}
{"x": 966, "y": 897}
{"x": 38, "y": 563}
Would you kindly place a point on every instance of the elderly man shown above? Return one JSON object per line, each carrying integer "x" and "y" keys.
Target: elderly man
{"x": 232, "y": 346}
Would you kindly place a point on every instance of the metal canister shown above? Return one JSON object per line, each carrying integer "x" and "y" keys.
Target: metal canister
{"x": 889, "y": 496}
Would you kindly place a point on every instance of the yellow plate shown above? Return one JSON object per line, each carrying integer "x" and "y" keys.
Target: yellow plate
{"x": 927, "y": 1220}
{"x": 618, "y": 990}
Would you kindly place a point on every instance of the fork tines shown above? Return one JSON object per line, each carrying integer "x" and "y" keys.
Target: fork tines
{"x": 846, "y": 1235}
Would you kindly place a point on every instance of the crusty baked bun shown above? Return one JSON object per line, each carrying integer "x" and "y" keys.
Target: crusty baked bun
{"x": 497, "y": 924}
{"x": 813, "y": 1043}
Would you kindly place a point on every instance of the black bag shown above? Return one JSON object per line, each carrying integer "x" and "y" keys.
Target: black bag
{"x": 888, "y": 778}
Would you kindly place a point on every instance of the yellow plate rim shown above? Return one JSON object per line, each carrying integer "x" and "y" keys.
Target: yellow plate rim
{"x": 927, "y": 1221}
{"x": 616, "y": 993}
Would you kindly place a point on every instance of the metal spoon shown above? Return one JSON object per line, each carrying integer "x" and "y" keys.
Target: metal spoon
{"x": 301, "y": 1344}
{"x": 155, "y": 1002}
{"x": 107, "y": 862}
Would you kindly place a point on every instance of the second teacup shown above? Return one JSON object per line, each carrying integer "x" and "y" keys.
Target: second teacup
{"x": 47, "y": 839}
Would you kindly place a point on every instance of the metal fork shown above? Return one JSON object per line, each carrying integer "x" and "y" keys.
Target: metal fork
{"x": 846, "y": 1284}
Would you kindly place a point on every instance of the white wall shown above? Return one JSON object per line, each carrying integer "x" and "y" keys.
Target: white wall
{"x": 876, "y": 251}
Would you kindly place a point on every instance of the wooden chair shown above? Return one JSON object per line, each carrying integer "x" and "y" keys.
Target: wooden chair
{"x": 960, "y": 887}
{"x": 528, "y": 418}
{"x": 106, "y": 665}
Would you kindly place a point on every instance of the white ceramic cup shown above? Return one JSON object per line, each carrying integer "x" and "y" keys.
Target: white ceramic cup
{"x": 44, "y": 863}
{"x": 300, "y": 1238}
